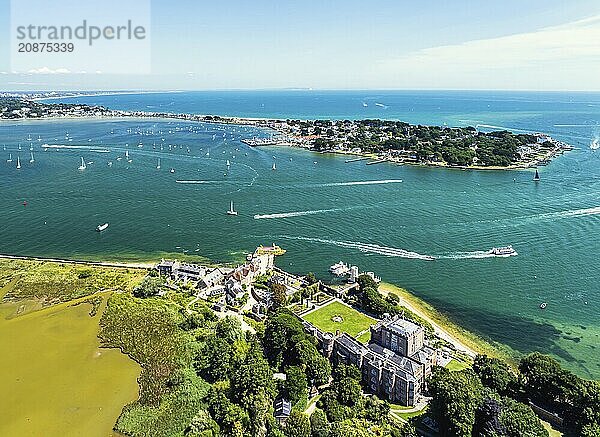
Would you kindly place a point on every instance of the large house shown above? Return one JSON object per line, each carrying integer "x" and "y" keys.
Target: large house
{"x": 395, "y": 363}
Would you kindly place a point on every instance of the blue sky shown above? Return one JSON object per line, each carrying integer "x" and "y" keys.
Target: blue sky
{"x": 335, "y": 44}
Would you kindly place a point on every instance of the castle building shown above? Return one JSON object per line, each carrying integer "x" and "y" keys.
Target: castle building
{"x": 394, "y": 365}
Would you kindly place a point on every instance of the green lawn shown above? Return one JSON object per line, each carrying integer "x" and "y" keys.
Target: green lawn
{"x": 352, "y": 322}
{"x": 455, "y": 365}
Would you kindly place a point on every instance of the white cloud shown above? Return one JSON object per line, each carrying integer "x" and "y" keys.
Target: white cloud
{"x": 46, "y": 70}
{"x": 565, "y": 56}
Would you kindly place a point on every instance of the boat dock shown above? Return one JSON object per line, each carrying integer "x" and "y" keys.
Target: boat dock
{"x": 377, "y": 162}
{"x": 362, "y": 158}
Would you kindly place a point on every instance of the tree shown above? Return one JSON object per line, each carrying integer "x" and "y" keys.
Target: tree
{"x": 318, "y": 423}
{"x": 202, "y": 425}
{"x": 295, "y": 385}
{"x": 365, "y": 281}
{"x": 487, "y": 419}
{"x": 214, "y": 362}
{"x": 148, "y": 287}
{"x": 297, "y": 425}
{"x": 229, "y": 329}
{"x": 520, "y": 420}
{"x": 279, "y": 294}
{"x": 456, "y": 396}
{"x": 376, "y": 410}
{"x": 311, "y": 278}
{"x": 496, "y": 375}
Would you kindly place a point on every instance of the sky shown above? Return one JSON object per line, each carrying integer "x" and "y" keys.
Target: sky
{"x": 321, "y": 44}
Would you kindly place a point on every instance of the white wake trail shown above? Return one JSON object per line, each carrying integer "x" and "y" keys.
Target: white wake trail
{"x": 292, "y": 214}
{"x": 370, "y": 248}
{"x": 347, "y": 184}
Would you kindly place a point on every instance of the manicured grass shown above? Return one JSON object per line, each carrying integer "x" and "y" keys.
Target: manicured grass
{"x": 352, "y": 322}
{"x": 365, "y": 337}
{"x": 456, "y": 365}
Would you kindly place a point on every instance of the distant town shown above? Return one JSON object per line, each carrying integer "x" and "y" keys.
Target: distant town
{"x": 374, "y": 141}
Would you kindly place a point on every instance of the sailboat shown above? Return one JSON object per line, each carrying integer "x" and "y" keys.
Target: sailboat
{"x": 32, "y": 160}
{"x": 82, "y": 166}
{"x": 274, "y": 167}
{"x": 9, "y": 158}
{"x": 537, "y": 176}
{"x": 228, "y": 163}
{"x": 158, "y": 165}
{"x": 18, "y": 162}
{"x": 231, "y": 211}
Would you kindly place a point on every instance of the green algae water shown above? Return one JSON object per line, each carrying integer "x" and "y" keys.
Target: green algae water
{"x": 55, "y": 378}
{"x": 383, "y": 218}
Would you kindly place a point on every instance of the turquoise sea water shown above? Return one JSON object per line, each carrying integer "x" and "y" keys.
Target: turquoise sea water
{"x": 381, "y": 217}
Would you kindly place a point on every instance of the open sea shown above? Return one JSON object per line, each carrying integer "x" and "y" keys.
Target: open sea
{"x": 384, "y": 218}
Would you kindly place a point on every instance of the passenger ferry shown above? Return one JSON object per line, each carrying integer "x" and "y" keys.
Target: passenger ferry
{"x": 270, "y": 250}
{"x": 503, "y": 251}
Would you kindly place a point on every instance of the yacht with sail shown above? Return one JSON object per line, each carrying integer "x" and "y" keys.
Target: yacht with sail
{"x": 18, "y": 162}
{"x": 232, "y": 210}
{"x": 82, "y": 166}
{"x": 537, "y": 176}
{"x": 32, "y": 160}
{"x": 9, "y": 160}
{"x": 274, "y": 167}
{"x": 158, "y": 164}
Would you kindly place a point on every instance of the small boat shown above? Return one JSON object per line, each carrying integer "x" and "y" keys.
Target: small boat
{"x": 172, "y": 170}
{"x": 9, "y": 160}
{"x": 543, "y": 305}
{"x": 503, "y": 251}
{"x": 32, "y": 160}
{"x": 82, "y": 166}
{"x": 228, "y": 163}
{"x": 274, "y": 167}
{"x": 101, "y": 228}
{"x": 231, "y": 211}
{"x": 18, "y": 163}
{"x": 537, "y": 176}
{"x": 595, "y": 144}
{"x": 365, "y": 104}
{"x": 110, "y": 163}
{"x": 158, "y": 164}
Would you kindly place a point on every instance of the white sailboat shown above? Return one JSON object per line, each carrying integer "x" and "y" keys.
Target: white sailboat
{"x": 32, "y": 160}
{"x": 158, "y": 165}
{"x": 274, "y": 167}
{"x": 82, "y": 166}
{"x": 9, "y": 160}
{"x": 231, "y": 211}
{"x": 18, "y": 163}
{"x": 228, "y": 163}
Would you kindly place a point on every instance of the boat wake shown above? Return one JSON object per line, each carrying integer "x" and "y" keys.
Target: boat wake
{"x": 571, "y": 213}
{"x": 347, "y": 184}
{"x": 293, "y": 214}
{"x": 194, "y": 182}
{"x": 478, "y": 254}
{"x": 369, "y": 248}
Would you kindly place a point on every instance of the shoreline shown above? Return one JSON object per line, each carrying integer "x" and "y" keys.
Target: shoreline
{"x": 463, "y": 340}
{"x": 288, "y": 136}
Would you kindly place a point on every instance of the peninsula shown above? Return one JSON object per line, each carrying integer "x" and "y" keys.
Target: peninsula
{"x": 379, "y": 140}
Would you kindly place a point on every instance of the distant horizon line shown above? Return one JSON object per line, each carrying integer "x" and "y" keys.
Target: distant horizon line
{"x": 183, "y": 90}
